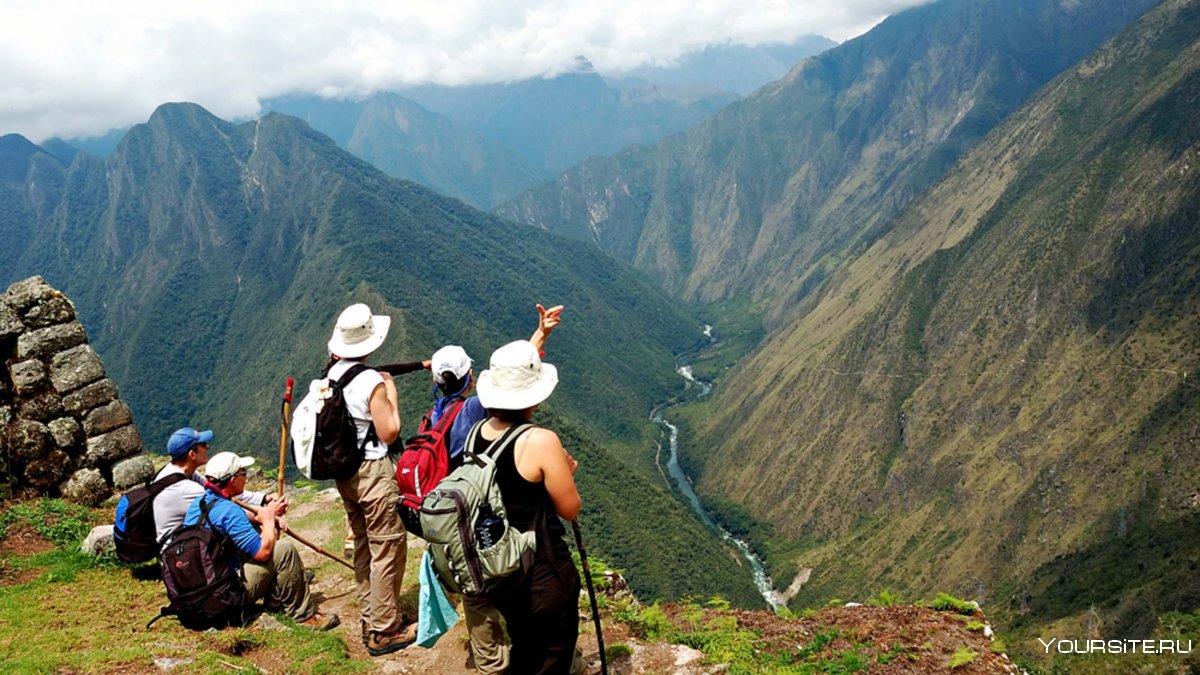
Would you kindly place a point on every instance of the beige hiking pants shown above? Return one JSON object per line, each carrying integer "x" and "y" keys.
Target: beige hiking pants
{"x": 380, "y": 550}
{"x": 281, "y": 580}
{"x": 489, "y": 648}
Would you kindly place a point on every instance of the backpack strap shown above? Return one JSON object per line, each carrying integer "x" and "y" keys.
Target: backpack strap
{"x": 343, "y": 382}
{"x": 498, "y": 445}
{"x": 163, "y": 483}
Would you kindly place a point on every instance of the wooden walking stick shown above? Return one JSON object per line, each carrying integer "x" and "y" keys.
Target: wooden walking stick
{"x": 297, "y": 537}
{"x": 587, "y": 574}
{"x": 283, "y": 433}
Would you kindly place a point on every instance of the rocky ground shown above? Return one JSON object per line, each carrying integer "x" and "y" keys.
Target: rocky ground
{"x": 918, "y": 639}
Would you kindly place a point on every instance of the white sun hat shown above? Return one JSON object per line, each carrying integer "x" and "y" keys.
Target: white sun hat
{"x": 449, "y": 359}
{"x": 358, "y": 332}
{"x": 223, "y": 465}
{"x": 516, "y": 378}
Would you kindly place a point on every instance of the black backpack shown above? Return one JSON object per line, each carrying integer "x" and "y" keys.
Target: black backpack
{"x": 134, "y": 530}
{"x": 203, "y": 589}
{"x": 324, "y": 436}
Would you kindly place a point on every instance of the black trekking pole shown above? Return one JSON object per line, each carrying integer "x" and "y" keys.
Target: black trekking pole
{"x": 587, "y": 574}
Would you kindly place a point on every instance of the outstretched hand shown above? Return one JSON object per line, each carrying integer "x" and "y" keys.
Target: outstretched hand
{"x": 548, "y": 319}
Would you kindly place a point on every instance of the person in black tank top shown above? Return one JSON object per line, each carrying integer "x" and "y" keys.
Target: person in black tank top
{"x": 537, "y": 484}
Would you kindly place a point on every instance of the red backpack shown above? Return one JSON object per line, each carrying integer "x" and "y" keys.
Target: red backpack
{"x": 423, "y": 464}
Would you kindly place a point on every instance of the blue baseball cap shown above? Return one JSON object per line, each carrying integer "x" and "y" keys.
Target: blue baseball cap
{"x": 185, "y": 439}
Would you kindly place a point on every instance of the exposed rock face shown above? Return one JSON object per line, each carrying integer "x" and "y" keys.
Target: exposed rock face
{"x": 62, "y": 428}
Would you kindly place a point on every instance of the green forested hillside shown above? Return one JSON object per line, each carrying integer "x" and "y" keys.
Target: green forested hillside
{"x": 767, "y": 197}
{"x": 997, "y": 396}
{"x": 208, "y": 261}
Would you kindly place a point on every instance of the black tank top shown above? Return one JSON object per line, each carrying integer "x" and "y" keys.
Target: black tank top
{"x": 524, "y": 502}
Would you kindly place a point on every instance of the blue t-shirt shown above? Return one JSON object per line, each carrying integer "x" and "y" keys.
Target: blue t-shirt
{"x": 228, "y": 519}
{"x": 472, "y": 412}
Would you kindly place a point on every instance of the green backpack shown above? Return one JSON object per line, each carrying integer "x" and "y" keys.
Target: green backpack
{"x": 474, "y": 549}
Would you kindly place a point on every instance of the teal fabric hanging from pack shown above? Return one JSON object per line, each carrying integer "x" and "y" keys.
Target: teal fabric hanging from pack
{"x": 436, "y": 614}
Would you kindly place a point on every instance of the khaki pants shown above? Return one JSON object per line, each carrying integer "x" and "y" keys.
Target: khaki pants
{"x": 370, "y": 498}
{"x": 281, "y": 581}
{"x": 489, "y": 649}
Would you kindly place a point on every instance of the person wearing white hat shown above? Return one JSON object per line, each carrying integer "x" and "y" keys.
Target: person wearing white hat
{"x": 274, "y": 571}
{"x": 454, "y": 379}
{"x": 537, "y": 484}
{"x": 370, "y": 496}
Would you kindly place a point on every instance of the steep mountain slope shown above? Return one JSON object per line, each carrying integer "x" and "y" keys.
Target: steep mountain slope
{"x": 737, "y": 68}
{"x": 997, "y": 396}
{"x": 208, "y": 261}
{"x": 764, "y": 198}
{"x": 555, "y": 122}
{"x": 406, "y": 141}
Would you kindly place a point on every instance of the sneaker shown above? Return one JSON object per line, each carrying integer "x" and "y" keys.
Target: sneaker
{"x": 379, "y": 644}
{"x": 321, "y": 622}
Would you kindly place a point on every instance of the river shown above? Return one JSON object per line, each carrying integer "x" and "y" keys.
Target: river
{"x": 684, "y": 484}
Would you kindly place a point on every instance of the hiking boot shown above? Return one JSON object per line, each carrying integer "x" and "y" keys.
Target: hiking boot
{"x": 321, "y": 622}
{"x": 379, "y": 644}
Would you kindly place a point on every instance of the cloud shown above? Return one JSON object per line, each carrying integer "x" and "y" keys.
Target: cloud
{"x": 72, "y": 68}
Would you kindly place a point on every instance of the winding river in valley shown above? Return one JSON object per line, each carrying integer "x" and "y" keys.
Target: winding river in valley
{"x": 684, "y": 484}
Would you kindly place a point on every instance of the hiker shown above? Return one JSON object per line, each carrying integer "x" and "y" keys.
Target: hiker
{"x": 537, "y": 485}
{"x": 454, "y": 379}
{"x": 370, "y": 495}
{"x": 188, "y": 449}
{"x": 273, "y": 571}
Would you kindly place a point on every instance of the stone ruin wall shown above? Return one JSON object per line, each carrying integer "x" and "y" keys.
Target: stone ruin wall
{"x": 63, "y": 430}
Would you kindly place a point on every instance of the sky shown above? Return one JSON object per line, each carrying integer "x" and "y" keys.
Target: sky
{"x": 79, "y": 69}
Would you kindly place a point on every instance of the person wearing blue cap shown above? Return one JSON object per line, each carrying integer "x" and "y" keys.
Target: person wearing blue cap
{"x": 188, "y": 449}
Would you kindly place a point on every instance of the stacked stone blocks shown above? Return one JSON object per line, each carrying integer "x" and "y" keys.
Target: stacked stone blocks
{"x": 63, "y": 428}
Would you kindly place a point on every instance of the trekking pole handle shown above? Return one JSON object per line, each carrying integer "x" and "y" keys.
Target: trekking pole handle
{"x": 287, "y": 396}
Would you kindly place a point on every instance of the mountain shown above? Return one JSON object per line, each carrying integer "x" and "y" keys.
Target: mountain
{"x": 406, "y": 141}
{"x": 731, "y": 67}
{"x": 208, "y": 260}
{"x": 764, "y": 199}
{"x": 558, "y": 121}
{"x": 996, "y": 397}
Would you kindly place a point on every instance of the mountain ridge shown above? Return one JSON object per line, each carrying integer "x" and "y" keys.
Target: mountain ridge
{"x": 993, "y": 394}
{"x": 760, "y": 200}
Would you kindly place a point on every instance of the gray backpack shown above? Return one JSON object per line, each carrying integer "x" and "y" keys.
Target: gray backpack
{"x": 475, "y": 551}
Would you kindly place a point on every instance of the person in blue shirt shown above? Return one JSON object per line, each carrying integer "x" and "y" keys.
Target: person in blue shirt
{"x": 271, "y": 568}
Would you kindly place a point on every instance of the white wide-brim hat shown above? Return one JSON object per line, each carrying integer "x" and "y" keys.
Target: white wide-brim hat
{"x": 358, "y": 332}
{"x": 516, "y": 378}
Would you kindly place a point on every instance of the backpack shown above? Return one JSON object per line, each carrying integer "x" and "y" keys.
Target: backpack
{"x": 424, "y": 462}
{"x": 134, "y": 531}
{"x": 204, "y": 591}
{"x": 324, "y": 435}
{"x": 475, "y": 550}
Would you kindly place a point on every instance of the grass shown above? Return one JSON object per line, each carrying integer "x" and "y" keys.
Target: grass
{"x": 962, "y": 657}
{"x": 70, "y": 611}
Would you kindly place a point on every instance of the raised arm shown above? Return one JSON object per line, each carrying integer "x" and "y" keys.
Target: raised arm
{"x": 548, "y": 320}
